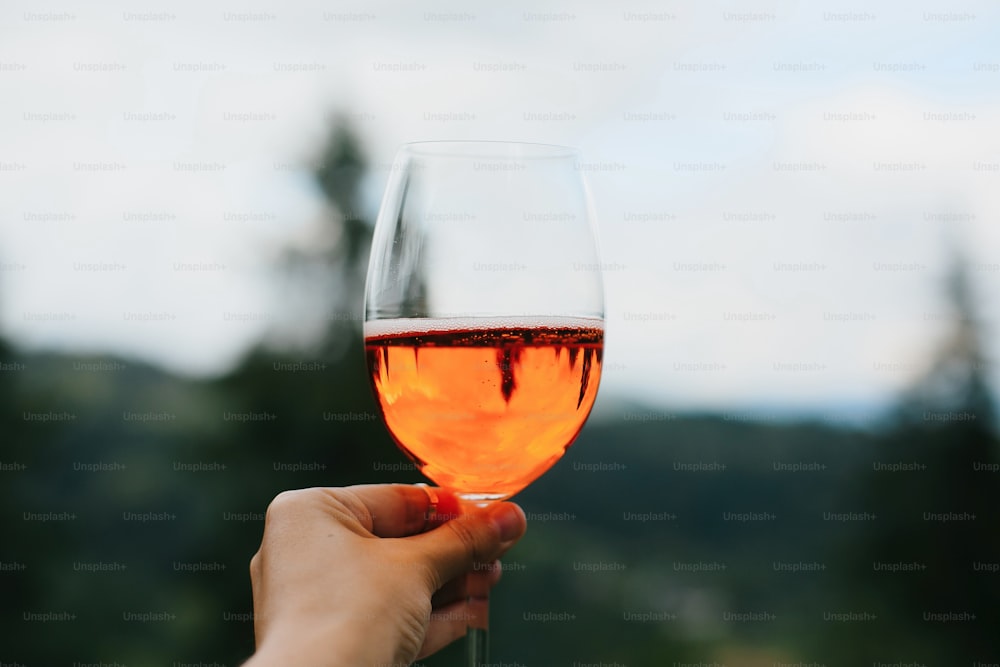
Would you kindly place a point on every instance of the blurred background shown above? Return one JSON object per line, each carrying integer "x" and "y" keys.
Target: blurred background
{"x": 793, "y": 458}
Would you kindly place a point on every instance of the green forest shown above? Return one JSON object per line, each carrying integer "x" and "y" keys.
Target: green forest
{"x": 133, "y": 500}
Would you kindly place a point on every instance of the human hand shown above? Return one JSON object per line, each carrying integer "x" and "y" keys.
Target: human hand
{"x": 328, "y": 591}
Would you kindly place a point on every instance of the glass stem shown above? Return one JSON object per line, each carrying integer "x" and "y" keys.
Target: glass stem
{"x": 479, "y": 647}
{"x": 477, "y": 635}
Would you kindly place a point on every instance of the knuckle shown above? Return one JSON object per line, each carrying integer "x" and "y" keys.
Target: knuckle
{"x": 290, "y": 502}
{"x": 255, "y": 566}
{"x": 282, "y": 503}
{"x": 353, "y": 508}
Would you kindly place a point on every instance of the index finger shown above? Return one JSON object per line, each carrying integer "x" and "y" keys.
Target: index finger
{"x": 398, "y": 510}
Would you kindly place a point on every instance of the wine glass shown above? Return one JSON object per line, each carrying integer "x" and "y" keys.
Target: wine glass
{"x": 484, "y": 317}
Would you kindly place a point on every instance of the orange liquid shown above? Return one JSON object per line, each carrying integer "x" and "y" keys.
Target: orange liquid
{"x": 485, "y": 410}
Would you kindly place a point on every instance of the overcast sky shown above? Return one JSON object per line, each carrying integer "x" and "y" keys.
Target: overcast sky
{"x": 776, "y": 187}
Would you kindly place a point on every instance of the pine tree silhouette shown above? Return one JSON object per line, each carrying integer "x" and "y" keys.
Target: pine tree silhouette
{"x": 941, "y": 517}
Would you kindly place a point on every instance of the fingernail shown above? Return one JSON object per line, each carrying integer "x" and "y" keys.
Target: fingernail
{"x": 509, "y": 519}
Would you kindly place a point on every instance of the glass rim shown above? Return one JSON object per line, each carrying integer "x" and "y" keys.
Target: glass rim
{"x": 487, "y": 149}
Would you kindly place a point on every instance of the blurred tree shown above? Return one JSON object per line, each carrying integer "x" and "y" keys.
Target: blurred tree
{"x": 938, "y": 514}
{"x": 325, "y": 418}
{"x": 323, "y": 429}
{"x": 956, "y": 382}
{"x": 329, "y": 266}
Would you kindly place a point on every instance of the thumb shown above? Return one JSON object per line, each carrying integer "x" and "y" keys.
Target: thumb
{"x": 480, "y": 536}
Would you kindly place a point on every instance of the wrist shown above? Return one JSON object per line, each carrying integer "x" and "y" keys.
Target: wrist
{"x": 307, "y": 646}
{"x": 327, "y": 644}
